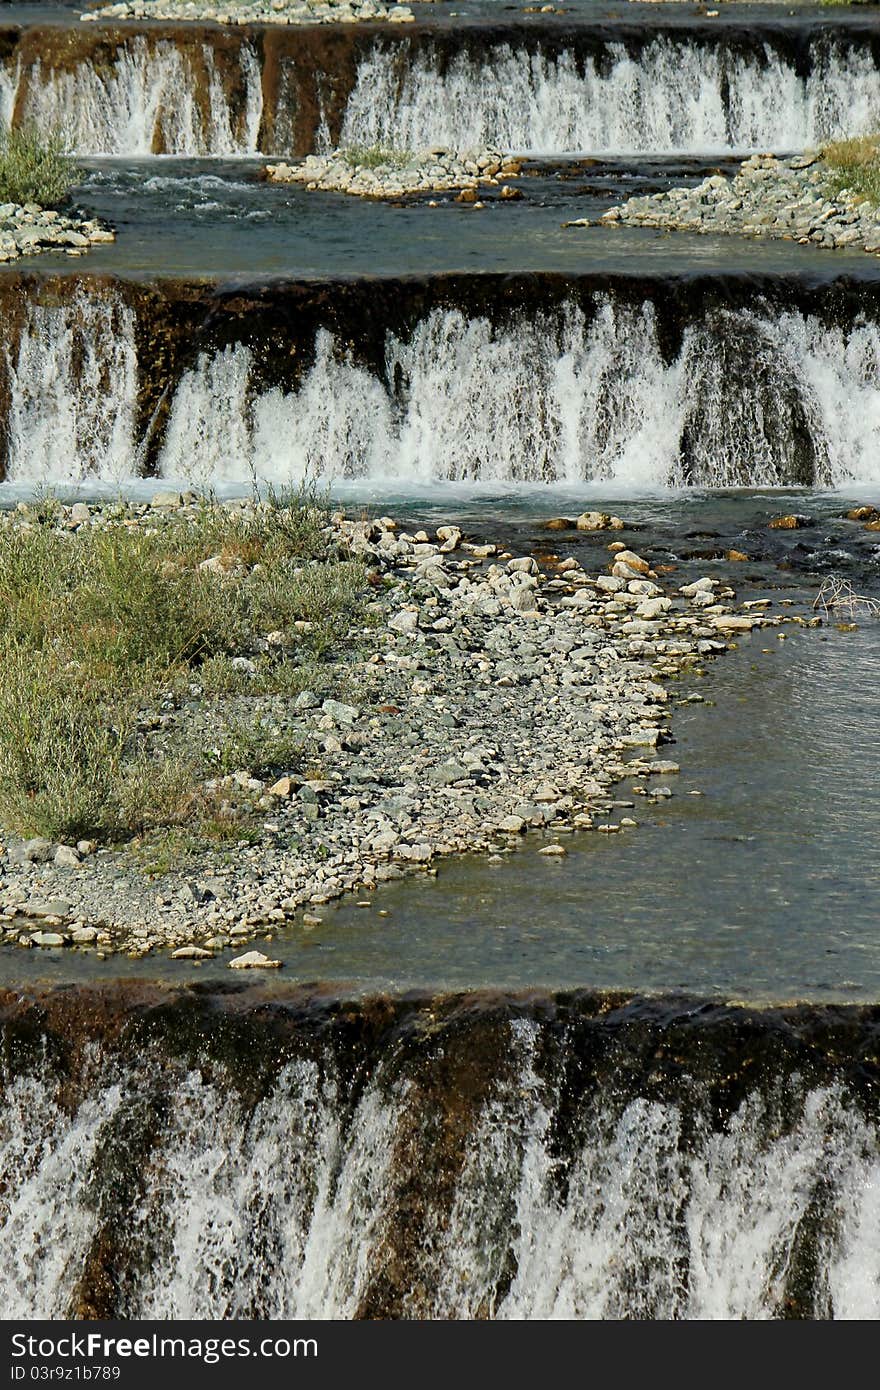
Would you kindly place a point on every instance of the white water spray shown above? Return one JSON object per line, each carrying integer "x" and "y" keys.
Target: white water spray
{"x": 676, "y": 96}
{"x": 153, "y": 98}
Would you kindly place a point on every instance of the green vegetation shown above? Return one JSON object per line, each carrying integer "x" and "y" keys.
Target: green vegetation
{"x": 375, "y": 157}
{"x": 35, "y": 167}
{"x": 103, "y": 628}
{"x": 854, "y": 164}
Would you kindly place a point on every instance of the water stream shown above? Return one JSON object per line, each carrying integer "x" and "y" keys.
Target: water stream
{"x": 578, "y": 1087}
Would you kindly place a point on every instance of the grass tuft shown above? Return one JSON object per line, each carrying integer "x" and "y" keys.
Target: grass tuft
{"x": 854, "y": 164}
{"x": 99, "y": 627}
{"x": 35, "y": 167}
{"x": 375, "y": 157}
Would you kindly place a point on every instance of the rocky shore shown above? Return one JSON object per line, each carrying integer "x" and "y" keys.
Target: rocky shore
{"x": 29, "y": 229}
{"x": 771, "y": 197}
{"x": 389, "y": 175}
{"x": 258, "y": 11}
{"x": 490, "y": 695}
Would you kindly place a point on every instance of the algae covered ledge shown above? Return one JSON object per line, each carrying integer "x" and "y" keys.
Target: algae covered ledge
{"x": 219, "y": 717}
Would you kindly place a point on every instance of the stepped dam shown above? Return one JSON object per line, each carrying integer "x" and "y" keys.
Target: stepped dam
{"x": 210, "y": 1153}
{"x": 501, "y": 379}
{"x": 622, "y": 86}
{"x": 624, "y": 1080}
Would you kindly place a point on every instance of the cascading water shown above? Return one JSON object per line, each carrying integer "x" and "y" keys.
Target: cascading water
{"x": 669, "y": 94}
{"x": 673, "y": 96}
{"x": 153, "y": 98}
{"x": 512, "y": 1170}
{"x": 750, "y": 399}
{"x": 73, "y": 390}
{"x": 758, "y": 398}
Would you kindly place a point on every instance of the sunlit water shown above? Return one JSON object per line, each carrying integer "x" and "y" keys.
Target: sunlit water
{"x": 180, "y": 217}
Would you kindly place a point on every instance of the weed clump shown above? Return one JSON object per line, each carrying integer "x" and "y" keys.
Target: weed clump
{"x": 375, "y": 157}
{"x": 854, "y": 164}
{"x": 35, "y": 167}
{"x": 102, "y": 627}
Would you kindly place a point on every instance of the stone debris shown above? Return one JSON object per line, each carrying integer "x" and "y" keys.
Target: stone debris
{"x": 513, "y": 698}
{"x": 257, "y": 11}
{"x": 770, "y": 197}
{"x": 28, "y": 229}
{"x": 396, "y": 175}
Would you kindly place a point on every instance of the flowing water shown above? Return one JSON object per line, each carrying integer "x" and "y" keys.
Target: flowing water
{"x": 372, "y": 1145}
{"x": 589, "y": 393}
{"x": 673, "y": 97}
{"x": 624, "y": 89}
{"x": 453, "y": 1157}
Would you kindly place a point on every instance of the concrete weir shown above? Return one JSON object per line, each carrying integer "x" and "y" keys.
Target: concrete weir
{"x": 292, "y": 1152}
{"x": 133, "y": 88}
{"x": 718, "y": 380}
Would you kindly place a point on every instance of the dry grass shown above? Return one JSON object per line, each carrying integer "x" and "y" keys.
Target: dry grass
{"x": 99, "y": 626}
{"x": 837, "y": 598}
{"x": 35, "y": 167}
{"x": 854, "y": 164}
{"x": 375, "y": 157}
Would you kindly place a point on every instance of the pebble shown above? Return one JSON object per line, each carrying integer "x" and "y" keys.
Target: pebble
{"x": 253, "y": 960}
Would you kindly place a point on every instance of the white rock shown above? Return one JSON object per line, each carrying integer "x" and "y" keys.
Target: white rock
{"x": 698, "y": 585}
{"x": 405, "y": 621}
{"x": 253, "y": 960}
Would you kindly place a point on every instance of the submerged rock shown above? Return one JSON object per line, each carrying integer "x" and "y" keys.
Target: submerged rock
{"x": 253, "y": 960}
{"x": 794, "y": 521}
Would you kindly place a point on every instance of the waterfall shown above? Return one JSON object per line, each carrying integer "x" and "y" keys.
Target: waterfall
{"x": 675, "y": 96}
{"x": 378, "y": 1187}
{"x": 668, "y": 94}
{"x": 750, "y": 399}
{"x": 73, "y": 388}
{"x": 152, "y": 98}
{"x": 47, "y": 1161}
{"x": 280, "y": 1198}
